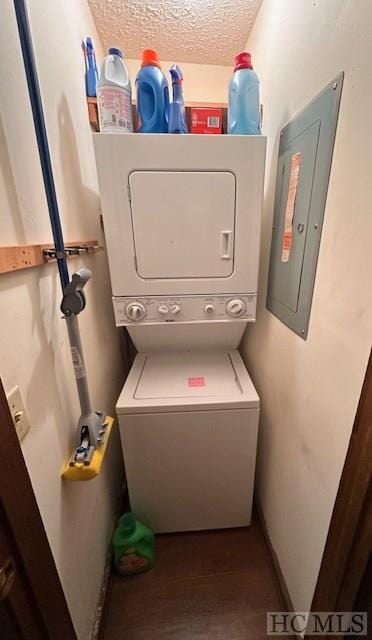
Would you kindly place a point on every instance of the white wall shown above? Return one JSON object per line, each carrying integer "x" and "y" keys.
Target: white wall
{"x": 34, "y": 352}
{"x": 202, "y": 82}
{"x": 310, "y": 389}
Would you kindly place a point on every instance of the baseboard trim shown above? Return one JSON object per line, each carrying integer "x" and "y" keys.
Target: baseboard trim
{"x": 277, "y": 573}
{"x": 98, "y": 622}
{"x": 98, "y": 617}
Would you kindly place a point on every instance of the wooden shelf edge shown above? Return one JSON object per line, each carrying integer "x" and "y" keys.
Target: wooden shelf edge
{"x": 93, "y": 113}
{"x": 27, "y": 256}
{"x": 93, "y": 110}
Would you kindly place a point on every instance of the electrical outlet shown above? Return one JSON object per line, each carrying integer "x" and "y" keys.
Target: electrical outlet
{"x": 18, "y": 411}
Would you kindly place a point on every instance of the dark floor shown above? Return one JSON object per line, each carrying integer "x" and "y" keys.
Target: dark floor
{"x": 210, "y": 585}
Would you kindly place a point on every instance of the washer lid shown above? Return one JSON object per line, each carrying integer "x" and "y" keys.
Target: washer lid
{"x": 182, "y": 380}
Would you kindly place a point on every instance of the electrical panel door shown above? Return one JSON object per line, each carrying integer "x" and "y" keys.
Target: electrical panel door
{"x": 304, "y": 164}
{"x": 286, "y": 278}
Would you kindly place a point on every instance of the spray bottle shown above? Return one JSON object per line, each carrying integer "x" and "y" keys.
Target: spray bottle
{"x": 91, "y": 75}
{"x": 177, "y": 117}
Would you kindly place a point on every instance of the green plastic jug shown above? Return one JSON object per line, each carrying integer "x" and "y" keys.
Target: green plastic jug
{"x": 134, "y": 546}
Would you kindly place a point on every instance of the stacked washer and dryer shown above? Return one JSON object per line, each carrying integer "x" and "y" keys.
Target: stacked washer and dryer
{"x": 182, "y": 219}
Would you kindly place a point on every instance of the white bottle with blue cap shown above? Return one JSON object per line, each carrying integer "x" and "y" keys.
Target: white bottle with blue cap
{"x": 114, "y": 95}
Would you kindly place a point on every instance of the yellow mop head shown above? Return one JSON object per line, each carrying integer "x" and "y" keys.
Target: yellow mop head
{"x": 81, "y": 471}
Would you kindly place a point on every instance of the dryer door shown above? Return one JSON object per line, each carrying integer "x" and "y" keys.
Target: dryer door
{"x": 183, "y": 223}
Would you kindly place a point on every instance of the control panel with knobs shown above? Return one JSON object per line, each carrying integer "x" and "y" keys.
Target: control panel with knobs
{"x": 185, "y": 309}
{"x": 235, "y": 307}
{"x": 135, "y": 311}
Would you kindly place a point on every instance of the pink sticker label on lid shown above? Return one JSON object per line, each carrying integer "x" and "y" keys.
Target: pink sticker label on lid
{"x": 197, "y": 381}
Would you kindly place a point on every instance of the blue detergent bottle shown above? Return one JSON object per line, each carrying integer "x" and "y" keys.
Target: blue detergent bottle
{"x": 152, "y": 95}
{"x": 243, "y": 116}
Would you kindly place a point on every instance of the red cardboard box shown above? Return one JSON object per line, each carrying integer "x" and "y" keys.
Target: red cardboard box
{"x": 206, "y": 120}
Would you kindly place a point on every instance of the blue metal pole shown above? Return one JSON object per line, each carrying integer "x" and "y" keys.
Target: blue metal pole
{"x": 41, "y": 136}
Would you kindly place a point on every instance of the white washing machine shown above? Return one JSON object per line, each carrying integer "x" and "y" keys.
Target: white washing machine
{"x": 182, "y": 217}
{"x": 188, "y": 426}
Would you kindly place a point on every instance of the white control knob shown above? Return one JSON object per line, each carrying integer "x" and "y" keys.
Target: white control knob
{"x": 235, "y": 307}
{"x": 135, "y": 311}
{"x": 163, "y": 309}
{"x": 175, "y": 308}
{"x": 209, "y": 308}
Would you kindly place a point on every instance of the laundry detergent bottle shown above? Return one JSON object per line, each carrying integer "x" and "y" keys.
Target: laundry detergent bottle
{"x": 134, "y": 546}
{"x": 152, "y": 95}
{"x": 244, "y": 98}
{"x": 114, "y": 95}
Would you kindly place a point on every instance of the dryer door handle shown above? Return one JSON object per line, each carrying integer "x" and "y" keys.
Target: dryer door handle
{"x": 226, "y": 245}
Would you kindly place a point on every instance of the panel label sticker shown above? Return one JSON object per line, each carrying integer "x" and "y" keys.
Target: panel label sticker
{"x": 196, "y": 381}
{"x": 289, "y": 210}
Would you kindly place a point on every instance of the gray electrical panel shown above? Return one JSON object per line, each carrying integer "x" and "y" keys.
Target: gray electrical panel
{"x": 304, "y": 164}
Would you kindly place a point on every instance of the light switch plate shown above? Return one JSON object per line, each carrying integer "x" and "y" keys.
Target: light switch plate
{"x": 17, "y": 409}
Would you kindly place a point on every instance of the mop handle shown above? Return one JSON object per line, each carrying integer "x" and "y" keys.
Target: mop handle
{"x": 41, "y": 136}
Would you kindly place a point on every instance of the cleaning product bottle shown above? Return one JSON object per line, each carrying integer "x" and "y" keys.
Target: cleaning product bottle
{"x": 114, "y": 94}
{"x": 91, "y": 74}
{"x": 244, "y": 98}
{"x": 177, "y": 116}
{"x": 134, "y": 546}
{"x": 152, "y": 95}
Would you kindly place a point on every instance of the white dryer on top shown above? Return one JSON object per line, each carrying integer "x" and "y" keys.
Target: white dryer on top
{"x": 182, "y": 218}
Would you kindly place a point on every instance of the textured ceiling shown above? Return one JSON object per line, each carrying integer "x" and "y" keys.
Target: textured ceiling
{"x": 203, "y": 31}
